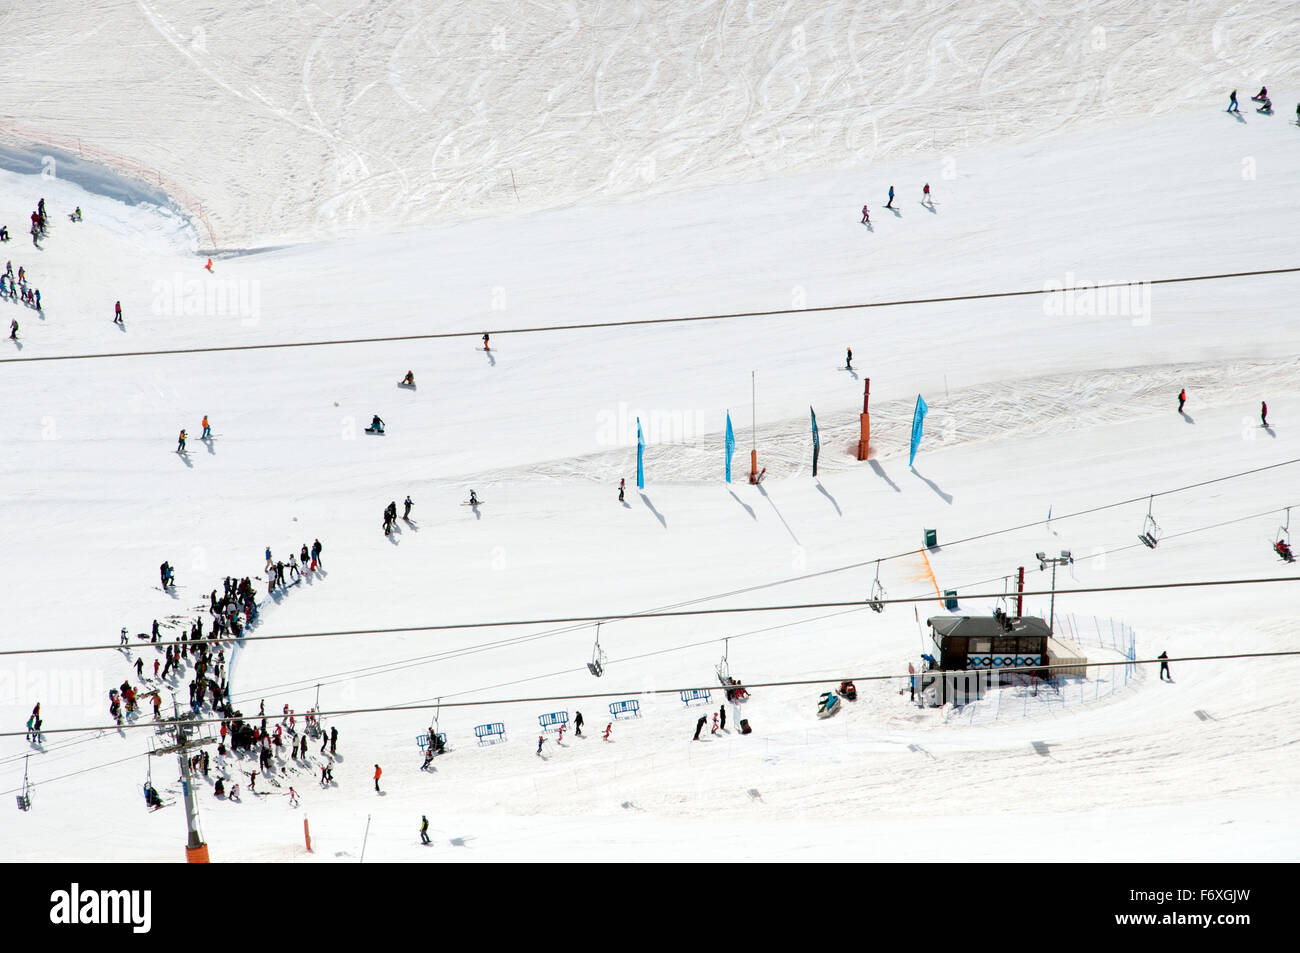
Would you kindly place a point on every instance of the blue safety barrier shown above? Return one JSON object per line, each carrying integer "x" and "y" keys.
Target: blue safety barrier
{"x": 694, "y": 695}
{"x": 626, "y": 709}
{"x": 490, "y": 734}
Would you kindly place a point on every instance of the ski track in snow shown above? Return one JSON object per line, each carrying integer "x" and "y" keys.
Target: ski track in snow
{"x": 424, "y": 110}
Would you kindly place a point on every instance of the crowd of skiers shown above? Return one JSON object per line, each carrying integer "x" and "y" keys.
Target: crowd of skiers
{"x": 17, "y": 288}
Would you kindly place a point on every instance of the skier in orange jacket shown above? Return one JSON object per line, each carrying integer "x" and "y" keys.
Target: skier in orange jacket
{"x": 378, "y": 772}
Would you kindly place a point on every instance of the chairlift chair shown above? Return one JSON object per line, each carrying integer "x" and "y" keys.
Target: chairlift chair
{"x": 597, "y": 664}
{"x": 1282, "y": 541}
{"x": 876, "y": 600}
{"x": 723, "y": 669}
{"x": 1151, "y": 531}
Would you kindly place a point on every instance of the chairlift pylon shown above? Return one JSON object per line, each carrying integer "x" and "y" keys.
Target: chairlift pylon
{"x": 876, "y": 600}
{"x": 1151, "y": 531}
{"x": 597, "y": 664}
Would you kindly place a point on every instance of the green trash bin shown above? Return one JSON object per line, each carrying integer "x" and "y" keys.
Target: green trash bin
{"x": 950, "y": 598}
{"x": 931, "y": 538}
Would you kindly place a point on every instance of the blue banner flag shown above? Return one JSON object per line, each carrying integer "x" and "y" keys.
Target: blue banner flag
{"x": 731, "y": 445}
{"x": 917, "y": 420}
{"x": 817, "y": 444}
{"x": 640, "y": 456}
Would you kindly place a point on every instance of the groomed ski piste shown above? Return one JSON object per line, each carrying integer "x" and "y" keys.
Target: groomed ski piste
{"x": 1034, "y": 407}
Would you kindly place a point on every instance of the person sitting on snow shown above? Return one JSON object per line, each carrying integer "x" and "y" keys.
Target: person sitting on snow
{"x": 377, "y": 424}
{"x": 409, "y": 378}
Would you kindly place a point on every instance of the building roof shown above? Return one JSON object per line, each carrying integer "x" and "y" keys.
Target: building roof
{"x": 985, "y": 626}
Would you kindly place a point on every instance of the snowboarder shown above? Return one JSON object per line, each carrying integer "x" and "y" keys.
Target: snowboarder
{"x": 622, "y": 486}
{"x": 406, "y": 512}
{"x": 1164, "y": 666}
{"x": 76, "y": 215}
{"x": 848, "y": 360}
{"x": 866, "y": 216}
{"x": 378, "y": 771}
{"x": 1261, "y": 95}
{"x": 1182, "y": 399}
{"x": 424, "y": 829}
{"x": 577, "y": 725}
{"x": 117, "y": 313}
{"x": 473, "y": 500}
{"x": 1263, "y": 413}
{"x": 219, "y": 789}
{"x": 409, "y": 379}
{"x": 925, "y": 195}
{"x": 1266, "y": 108}
{"x": 485, "y": 342}
{"x": 376, "y": 425}
{"x": 180, "y": 444}
{"x": 1232, "y": 103}
{"x": 207, "y": 430}
{"x": 890, "y": 203}
{"x": 699, "y": 725}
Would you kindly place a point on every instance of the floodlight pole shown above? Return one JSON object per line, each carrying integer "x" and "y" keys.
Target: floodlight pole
{"x": 1043, "y": 561}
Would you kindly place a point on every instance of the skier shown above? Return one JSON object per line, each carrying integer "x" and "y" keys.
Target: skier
{"x": 473, "y": 500}
{"x": 378, "y": 771}
{"x": 76, "y": 215}
{"x": 293, "y": 797}
{"x": 866, "y": 216}
{"x": 1182, "y": 399}
{"x": 577, "y": 724}
{"x": 124, "y": 639}
{"x": 485, "y": 342}
{"x": 714, "y": 729}
{"x": 925, "y": 195}
{"x": 334, "y": 739}
{"x": 36, "y": 297}
{"x": 207, "y": 431}
{"x": 406, "y": 513}
{"x": 154, "y": 636}
{"x": 561, "y": 737}
{"x": 541, "y": 740}
{"x": 180, "y": 445}
{"x": 326, "y": 775}
{"x": 890, "y": 203}
{"x": 13, "y": 330}
{"x": 1164, "y": 666}
{"x": 316, "y": 548}
{"x": 1263, "y": 413}
{"x": 139, "y": 669}
{"x": 622, "y": 485}
{"x": 424, "y": 829}
{"x": 428, "y": 758}
{"x": 208, "y": 266}
{"x": 1232, "y": 103}
{"x": 117, "y": 313}
{"x": 699, "y": 725}
{"x": 848, "y": 360}
{"x": 608, "y": 729}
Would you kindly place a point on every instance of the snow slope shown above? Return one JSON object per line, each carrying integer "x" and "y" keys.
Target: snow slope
{"x": 1030, "y": 409}
{"x": 304, "y": 121}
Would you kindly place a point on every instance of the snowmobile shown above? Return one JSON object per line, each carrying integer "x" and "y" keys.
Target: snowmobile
{"x": 830, "y": 704}
{"x": 849, "y": 691}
